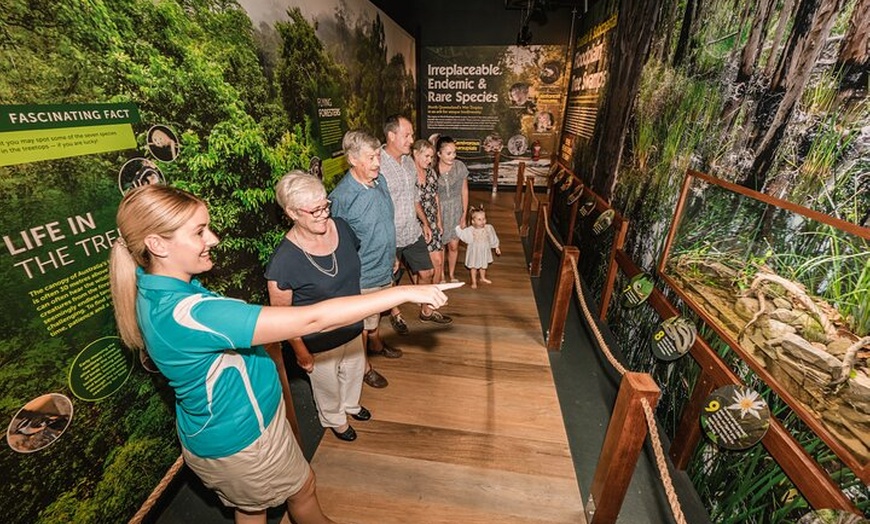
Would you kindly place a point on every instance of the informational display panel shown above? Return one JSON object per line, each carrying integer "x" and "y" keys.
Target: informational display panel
{"x": 496, "y": 99}
{"x": 588, "y": 80}
{"x": 81, "y": 414}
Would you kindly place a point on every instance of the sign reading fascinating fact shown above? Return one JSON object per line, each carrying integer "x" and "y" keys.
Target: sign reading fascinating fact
{"x": 735, "y": 417}
{"x": 47, "y": 132}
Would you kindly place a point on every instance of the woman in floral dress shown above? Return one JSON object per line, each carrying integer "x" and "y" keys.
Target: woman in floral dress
{"x": 427, "y": 187}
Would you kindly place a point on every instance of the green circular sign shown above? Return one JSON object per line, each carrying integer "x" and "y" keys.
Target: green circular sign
{"x": 639, "y": 288}
{"x": 100, "y": 369}
{"x": 735, "y": 417}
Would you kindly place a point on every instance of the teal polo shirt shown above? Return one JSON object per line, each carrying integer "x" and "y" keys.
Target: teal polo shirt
{"x": 226, "y": 392}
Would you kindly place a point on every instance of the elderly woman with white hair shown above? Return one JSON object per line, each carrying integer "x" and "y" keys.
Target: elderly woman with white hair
{"x": 317, "y": 260}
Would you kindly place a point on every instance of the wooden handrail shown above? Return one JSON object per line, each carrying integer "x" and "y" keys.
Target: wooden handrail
{"x": 623, "y": 442}
{"x": 274, "y": 351}
{"x": 813, "y": 482}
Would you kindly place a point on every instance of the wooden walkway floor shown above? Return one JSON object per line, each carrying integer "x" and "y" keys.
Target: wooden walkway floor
{"x": 469, "y": 429}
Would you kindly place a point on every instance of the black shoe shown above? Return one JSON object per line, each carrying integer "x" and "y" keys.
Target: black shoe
{"x": 399, "y": 325}
{"x": 375, "y": 379}
{"x": 362, "y": 415}
{"x": 387, "y": 351}
{"x": 437, "y": 318}
{"x": 348, "y": 435}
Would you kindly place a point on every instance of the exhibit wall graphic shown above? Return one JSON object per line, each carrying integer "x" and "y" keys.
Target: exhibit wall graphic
{"x": 588, "y": 79}
{"x": 81, "y": 416}
{"x": 771, "y": 98}
{"x": 94, "y": 102}
{"x": 505, "y": 99}
{"x": 362, "y": 70}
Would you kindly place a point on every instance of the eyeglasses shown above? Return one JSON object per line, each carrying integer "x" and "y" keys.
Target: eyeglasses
{"x": 321, "y": 211}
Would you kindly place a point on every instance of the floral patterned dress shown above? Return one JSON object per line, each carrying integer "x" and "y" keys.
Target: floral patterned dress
{"x": 427, "y": 193}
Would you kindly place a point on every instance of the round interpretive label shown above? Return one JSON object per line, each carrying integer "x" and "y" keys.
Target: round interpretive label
{"x": 639, "y": 289}
{"x": 39, "y": 423}
{"x": 587, "y": 206}
{"x": 673, "y": 338}
{"x": 573, "y": 197}
{"x": 100, "y": 369}
{"x": 138, "y": 172}
{"x": 735, "y": 417}
{"x": 603, "y": 221}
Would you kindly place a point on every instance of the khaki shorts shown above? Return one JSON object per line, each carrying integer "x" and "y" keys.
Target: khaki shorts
{"x": 370, "y": 323}
{"x": 261, "y": 476}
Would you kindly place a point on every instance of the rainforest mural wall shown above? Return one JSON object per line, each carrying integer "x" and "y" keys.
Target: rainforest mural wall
{"x": 220, "y": 99}
{"x": 772, "y": 96}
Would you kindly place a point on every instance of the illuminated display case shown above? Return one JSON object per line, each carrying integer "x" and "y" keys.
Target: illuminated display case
{"x": 788, "y": 288}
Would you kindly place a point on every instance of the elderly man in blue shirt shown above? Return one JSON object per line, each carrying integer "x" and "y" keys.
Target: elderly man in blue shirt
{"x": 362, "y": 199}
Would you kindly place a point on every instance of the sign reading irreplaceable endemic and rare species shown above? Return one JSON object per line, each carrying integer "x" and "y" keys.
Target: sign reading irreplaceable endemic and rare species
{"x": 496, "y": 99}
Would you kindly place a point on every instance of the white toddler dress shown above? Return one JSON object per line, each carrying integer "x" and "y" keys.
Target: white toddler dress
{"x": 481, "y": 242}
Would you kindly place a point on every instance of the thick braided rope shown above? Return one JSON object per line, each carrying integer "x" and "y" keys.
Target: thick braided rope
{"x": 158, "y": 491}
{"x": 661, "y": 463}
{"x": 591, "y": 320}
{"x": 655, "y": 439}
{"x": 559, "y": 247}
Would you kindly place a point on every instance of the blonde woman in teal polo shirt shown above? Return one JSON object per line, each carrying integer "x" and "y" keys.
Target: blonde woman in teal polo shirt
{"x": 228, "y": 398}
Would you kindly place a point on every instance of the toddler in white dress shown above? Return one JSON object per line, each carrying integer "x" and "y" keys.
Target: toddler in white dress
{"x": 481, "y": 240}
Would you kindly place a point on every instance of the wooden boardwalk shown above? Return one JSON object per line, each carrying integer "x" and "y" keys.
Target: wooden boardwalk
{"x": 469, "y": 429}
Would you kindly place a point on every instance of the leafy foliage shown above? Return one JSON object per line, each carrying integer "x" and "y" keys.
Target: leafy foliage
{"x": 240, "y": 100}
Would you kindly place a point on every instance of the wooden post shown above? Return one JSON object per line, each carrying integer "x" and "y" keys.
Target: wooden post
{"x": 274, "y": 351}
{"x": 520, "y": 183}
{"x": 622, "y": 446}
{"x": 495, "y": 172}
{"x": 561, "y": 299}
{"x": 572, "y": 222}
{"x": 689, "y": 431}
{"x": 538, "y": 241}
{"x": 527, "y": 208}
{"x": 610, "y": 279}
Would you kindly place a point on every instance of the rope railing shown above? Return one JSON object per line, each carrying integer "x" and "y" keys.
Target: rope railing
{"x": 158, "y": 491}
{"x": 655, "y": 438}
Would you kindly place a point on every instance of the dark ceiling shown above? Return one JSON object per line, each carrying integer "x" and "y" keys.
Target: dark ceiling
{"x": 483, "y": 22}
{"x": 541, "y": 4}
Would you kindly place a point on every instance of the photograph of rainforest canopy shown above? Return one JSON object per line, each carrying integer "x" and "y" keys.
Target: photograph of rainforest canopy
{"x": 230, "y": 96}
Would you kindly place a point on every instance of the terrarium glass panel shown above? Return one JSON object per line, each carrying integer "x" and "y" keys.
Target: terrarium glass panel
{"x": 789, "y": 289}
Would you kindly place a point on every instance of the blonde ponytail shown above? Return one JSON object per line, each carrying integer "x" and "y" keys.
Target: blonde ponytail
{"x": 122, "y": 279}
{"x": 153, "y": 209}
